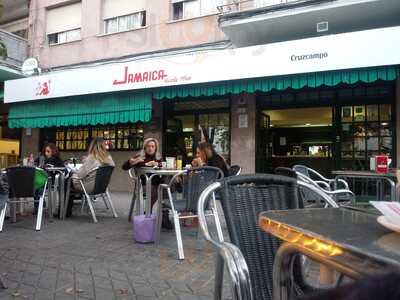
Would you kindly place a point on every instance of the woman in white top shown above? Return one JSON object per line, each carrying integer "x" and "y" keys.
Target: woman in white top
{"x": 97, "y": 156}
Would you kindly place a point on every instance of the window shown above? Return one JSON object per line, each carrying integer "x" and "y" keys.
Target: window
{"x": 119, "y": 137}
{"x": 63, "y": 24}
{"x": 64, "y": 37}
{"x": 366, "y": 131}
{"x": 123, "y": 23}
{"x": 186, "y": 9}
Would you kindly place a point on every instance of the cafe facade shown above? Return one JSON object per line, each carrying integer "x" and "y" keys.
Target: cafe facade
{"x": 330, "y": 102}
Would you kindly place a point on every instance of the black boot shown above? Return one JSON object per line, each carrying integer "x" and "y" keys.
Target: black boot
{"x": 166, "y": 222}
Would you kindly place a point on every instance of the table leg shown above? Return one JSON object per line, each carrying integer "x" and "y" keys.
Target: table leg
{"x": 67, "y": 193}
{"x": 50, "y": 197}
{"x": 62, "y": 195}
{"x": 133, "y": 200}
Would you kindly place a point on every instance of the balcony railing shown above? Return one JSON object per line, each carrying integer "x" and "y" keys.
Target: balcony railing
{"x": 242, "y": 5}
{"x": 17, "y": 49}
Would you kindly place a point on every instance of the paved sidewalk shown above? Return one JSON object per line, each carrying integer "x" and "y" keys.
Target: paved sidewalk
{"x": 77, "y": 259}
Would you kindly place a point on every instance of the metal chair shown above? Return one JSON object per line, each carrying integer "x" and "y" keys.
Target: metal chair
{"x": 21, "y": 184}
{"x": 234, "y": 170}
{"x": 194, "y": 182}
{"x": 249, "y": 257}
{"x": 102, "y": 177}
{"x": 326, "y": 183}
{"x": 311, "y": 198}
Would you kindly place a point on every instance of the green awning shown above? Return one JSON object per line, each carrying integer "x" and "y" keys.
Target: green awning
{"x": 82, "y": 110}
{"x": 298, "y": 81}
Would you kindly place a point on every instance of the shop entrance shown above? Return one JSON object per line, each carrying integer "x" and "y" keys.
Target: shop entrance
{"x": 184, "y": 120}
{"x": 326, "y": 128}
{"x": 298, "y": 136}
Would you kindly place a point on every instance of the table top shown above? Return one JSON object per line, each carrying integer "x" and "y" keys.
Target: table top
{"x": 158, "y": 171}
{"x": 348, "y": 230}
{"x": 363, "y": 173}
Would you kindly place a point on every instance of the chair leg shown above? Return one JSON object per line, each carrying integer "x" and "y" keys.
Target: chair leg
{"x": 40, "y": 213}
{"x": 83, "y": 203}
{"x": 132, "y": 206}
{"x": 13, "y": 212}
{"x": 3, "y": 216}
{"x": 219, "y": 277}
{"x": 2, "y": 283}
{"x": 178, "y": 234}
{"x": 111, "y": 204}
{"x": 89, "y": 202}
{"x": 217, "y": 222}
{"x": 105, "y": 201}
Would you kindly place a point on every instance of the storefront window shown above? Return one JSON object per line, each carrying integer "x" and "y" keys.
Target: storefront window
{"x": 120, "y": 137}
{"x": 366, "y": 131}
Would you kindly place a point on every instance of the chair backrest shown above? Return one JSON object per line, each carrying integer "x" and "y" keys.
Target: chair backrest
{"x": 243, "y": 198}
{"x": 102, "y": 179}
{"x": 285, "y": 172}
{"x": 234, "y": 170}
{"x": 21, "y": 181}
{"x": 196, "y": 181}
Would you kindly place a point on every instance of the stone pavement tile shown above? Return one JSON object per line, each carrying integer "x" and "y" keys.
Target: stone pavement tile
{"x": 105, "y": 294}
{"x": 43, "y": 295}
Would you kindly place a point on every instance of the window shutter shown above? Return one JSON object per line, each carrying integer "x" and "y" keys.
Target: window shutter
{"x": 64, "y": 18}
{"x": 116, "y": 8}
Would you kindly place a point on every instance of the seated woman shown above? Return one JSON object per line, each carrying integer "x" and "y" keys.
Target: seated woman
{"x": 149, "y": 156}
{"x": 49, "y": 156}
{"x": 97, "y": 156}
{"x": 207, "y": 156}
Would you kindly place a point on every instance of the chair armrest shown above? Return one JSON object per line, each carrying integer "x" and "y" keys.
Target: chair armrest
{"x": 319, "y": 191}
{"x": 344, "y": 182}
{"x": 237, "y": 268}
{"x": 323, "y": 184}
{"x": 228, "y": 254}
{"x": 175, "y": 177}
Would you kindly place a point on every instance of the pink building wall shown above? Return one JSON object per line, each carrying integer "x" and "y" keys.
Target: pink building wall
{"x": 159, "y": 34}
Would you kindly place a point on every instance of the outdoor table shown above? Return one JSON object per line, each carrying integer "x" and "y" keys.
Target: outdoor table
{"x": 390, "y": 178}
{"x": 62, "y": 197}
{"x": 348, "y": 241}
{"x": 149, "y": 173}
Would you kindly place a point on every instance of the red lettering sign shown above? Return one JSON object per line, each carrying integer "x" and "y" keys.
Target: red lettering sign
{"x": 128, "y": 77}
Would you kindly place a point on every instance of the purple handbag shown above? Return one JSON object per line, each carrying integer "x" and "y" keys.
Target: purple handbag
{"x": 144, "y": 228}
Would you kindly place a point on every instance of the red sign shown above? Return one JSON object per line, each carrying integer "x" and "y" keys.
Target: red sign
{"x": 43, "y": 88}
{"x": 381, "y": 164}
{"x": 128, "y": 77}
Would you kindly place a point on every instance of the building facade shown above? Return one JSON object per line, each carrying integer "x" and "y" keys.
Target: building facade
{"x": 14, "y": 50}
{"x": 274, "y": 83}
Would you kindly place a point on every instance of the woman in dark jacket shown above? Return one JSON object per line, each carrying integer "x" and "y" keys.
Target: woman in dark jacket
{"x": 50, "y": 156}
{"x": 147, "y": 157}
{"x": 207, "y": 156}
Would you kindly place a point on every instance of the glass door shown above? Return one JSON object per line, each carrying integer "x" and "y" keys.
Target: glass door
{"x": 264, "y": 144}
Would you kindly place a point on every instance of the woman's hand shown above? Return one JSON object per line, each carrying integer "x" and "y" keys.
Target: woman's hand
{"x": 135, "y": 161}
{"x": 151, "y": 164}
{"x": 197, "y": 162}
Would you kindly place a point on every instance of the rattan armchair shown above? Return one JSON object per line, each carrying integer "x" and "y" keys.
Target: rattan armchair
{"x": 249, "y": 257}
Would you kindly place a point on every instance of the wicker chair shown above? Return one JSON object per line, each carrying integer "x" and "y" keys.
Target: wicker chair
{"x": 102, "y": 179}
{"x": 21, "y": 185}
{"x": 194, "y": 182}
{"x": 250, "y": 256}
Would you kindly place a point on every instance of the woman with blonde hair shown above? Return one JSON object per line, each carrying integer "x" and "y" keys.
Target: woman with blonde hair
{"x": 97, "y": 156}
